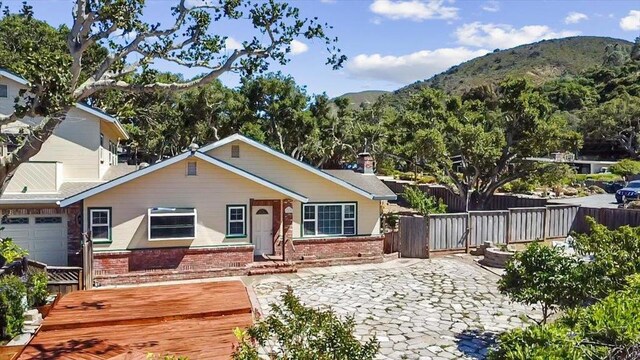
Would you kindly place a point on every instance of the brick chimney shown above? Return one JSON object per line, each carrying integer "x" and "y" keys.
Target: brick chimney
{"x": 365, "y": 163}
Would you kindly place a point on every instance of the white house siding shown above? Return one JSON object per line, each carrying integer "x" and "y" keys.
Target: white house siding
{"x": 315, "y": 187}
{"x": 209, "y": 193}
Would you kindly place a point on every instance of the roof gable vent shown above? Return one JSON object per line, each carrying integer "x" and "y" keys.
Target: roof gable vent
{"x": 235, "y": 151}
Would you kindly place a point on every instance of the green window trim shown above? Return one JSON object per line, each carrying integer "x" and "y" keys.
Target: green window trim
{"x": 109, "y": 224}
{"x": 228, "y": 234}
{"x": 315, "y": 219}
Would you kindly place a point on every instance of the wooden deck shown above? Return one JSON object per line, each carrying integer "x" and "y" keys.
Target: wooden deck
{"x": 193, "y": 320}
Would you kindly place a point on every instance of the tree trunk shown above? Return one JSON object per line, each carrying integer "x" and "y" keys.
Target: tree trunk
{"x": 30, "y": 147}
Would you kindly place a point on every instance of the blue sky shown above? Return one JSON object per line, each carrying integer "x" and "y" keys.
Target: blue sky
{"x": 391, "y": 43}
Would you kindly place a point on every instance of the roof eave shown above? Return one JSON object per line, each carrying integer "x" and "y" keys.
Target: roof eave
{"x": 385, "y": 197}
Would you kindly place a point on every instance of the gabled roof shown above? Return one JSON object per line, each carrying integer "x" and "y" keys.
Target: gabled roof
{"x": 157, "y": 166}
{"x": 293, "y": 161}
{"x": 84, "y": 107}
{"x": 369, "y": 183}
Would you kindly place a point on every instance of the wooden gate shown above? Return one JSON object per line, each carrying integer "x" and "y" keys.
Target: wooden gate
{"x": 414, "y": 239}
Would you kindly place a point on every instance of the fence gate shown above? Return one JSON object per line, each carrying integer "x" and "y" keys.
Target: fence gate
{"x": 414, "y": 239}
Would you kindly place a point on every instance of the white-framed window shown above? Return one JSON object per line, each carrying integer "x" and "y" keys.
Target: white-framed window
{"x": 112, "y": 151}
{"x": 101, "y": 147}
{"x": 192, "y": 168}
{"x": 329, "y": 219}
{"x": 236, "y": 220}
{"x": 4, "y": 91}
{"x": 100, "y": 224}
{"x": 172, "y": 223}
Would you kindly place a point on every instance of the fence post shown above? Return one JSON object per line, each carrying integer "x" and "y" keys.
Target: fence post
{"x": 468, "y": 237}
{"x": 426, "y": 234}
{"x": 508, "y": 224}
{"x": 545, "y": 224}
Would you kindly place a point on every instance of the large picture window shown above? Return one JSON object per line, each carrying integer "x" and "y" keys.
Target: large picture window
{"x": 236, "y": 221}
{"x": 329, "y": 219}
{"x": 100, "y": 224}
{"x": 172, "y": 223}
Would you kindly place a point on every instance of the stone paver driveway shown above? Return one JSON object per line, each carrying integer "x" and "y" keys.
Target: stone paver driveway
{"x": 443, "y": 308}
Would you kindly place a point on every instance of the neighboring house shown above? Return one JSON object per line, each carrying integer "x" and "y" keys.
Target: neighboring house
{"x": 582, "y": 166}
{"x": 220, "y": 206}
{"x": 81, "y": 153}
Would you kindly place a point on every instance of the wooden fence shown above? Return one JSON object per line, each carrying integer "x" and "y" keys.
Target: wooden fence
{"x": 455, "y": 204}
{"x": 420, "y": 236}
{"x": 611, "y": 218}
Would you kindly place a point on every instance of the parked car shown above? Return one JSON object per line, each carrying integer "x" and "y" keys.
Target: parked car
{"x": 629, "y": 192}
{"x": 612, "y": 187}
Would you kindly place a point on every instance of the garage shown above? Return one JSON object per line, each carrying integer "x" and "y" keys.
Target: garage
{"x": 43, "y": 236}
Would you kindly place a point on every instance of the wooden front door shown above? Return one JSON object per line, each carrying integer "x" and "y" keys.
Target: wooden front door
{"x": 262, "y": 230}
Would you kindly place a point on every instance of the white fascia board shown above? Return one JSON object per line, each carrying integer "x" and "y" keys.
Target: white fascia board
{"x": 287, "y": 158}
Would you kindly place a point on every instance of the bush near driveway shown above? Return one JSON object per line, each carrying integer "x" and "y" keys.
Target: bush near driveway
{"x": 609, "y": 329}
{"x": 12, "y": 307}
{"x": 294, "y": 331}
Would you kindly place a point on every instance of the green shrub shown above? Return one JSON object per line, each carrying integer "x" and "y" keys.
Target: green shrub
{"x": 581, "y": 178}
{"x": 294, "y": 331}
{"x": 12, "y": 307}
{"x": 593, "y": 332}
{"x": 10, "y": 251}
{"x": 422, "y": 202}
{"x": 616, "y": 255}
{"x": 427, "y": 179}
{"x": 543, "y": 275}
{"x": 37, "y": 292}
{"x": 519, "y": 187}
{"x": 626, "y": 167}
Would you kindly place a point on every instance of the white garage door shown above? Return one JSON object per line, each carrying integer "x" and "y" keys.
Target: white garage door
{"x": 43, "y": 236}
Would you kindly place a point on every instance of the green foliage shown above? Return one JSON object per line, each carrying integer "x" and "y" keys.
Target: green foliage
{"x": 10, "y": 250}
{"x": 152, "y": 356}
{"x": 626, "y": 167}
{"x": 520, "y": 186}
{"x": 422, "y": 202}
{"x": 616, "y": 255}
{"x": 543, "y": 275}
{"x": 540, "y": 62}
{"x": 594, "y": 332}
{"x": 37, "y": 292}
{"x": 555, "y": 174}
{"x": 581, "y": 178}
{"x": 12, "y": 307}
{"x": 293, "y": 331}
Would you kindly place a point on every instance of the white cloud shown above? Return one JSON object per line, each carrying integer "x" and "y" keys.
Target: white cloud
{"x": 491, "y": 6}
{"x": 408, "y": 68}
{"x": 194, "y": 3}
{"x": 505, "y": 36}
{"x": 232, "y": 44}
{"x": 298, "y": 47}
{"x": 327, "y": 1}
{"x": 575, "y": 17}
{"x": 631, "y": 22}
{"x": 416, "y": 10}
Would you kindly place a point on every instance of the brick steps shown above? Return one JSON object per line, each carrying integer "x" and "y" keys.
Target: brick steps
{"x": 273, "y": 270}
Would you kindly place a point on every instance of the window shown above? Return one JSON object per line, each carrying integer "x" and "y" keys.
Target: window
{"x": 15, "y": 220}
{"x": 329, "y": 219}
{"x": 172, "y": 223}
{"x": 236, "y": 221}
{"x": 111, "y": 152}
{"x": 49, "y": 220}
{"x": 101, "y": 147}
{"x": 235, "y": 151}
{"x": 100, "y": 224}
{"x": 192, "y": 168}
{"x": 3, "y": 91}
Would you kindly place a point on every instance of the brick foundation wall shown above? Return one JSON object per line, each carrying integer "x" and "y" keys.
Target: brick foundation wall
{"x": 342, "y": 247}
{"x": 171, "y": 259}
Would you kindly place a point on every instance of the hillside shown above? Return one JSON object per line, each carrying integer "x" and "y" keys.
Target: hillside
{"x": 541, "y": 61}
{"x": 368, "y": 96}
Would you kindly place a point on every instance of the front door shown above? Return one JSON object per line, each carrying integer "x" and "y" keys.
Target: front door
{"x": 262, "y": 230}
